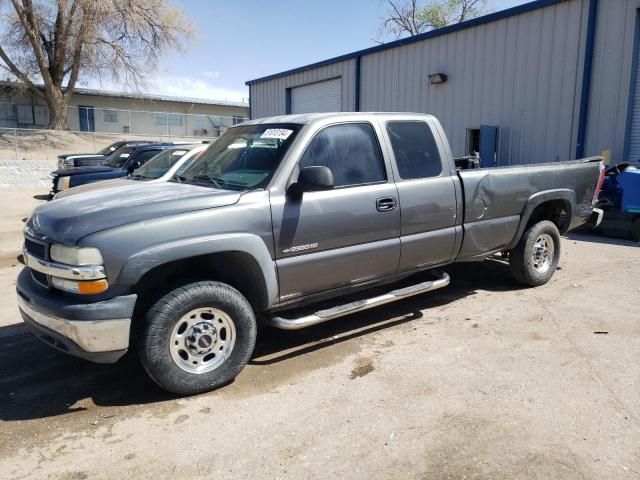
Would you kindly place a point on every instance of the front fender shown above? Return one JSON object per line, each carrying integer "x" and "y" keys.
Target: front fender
{"x": 140, "y": 263}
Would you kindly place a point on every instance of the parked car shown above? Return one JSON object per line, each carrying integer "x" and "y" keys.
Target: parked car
{"x": 620, "y": 200}
{"x": 122, "y": 162}
{"x": 294, "y": 220}
{"x": 70, "y": 160}
{"x": 160, "y": 168}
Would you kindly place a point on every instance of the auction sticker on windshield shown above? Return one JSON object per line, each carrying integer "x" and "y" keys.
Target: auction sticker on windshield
{"x": 278, "y": 133}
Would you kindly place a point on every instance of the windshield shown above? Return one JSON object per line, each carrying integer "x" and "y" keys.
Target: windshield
{"x": 117, "y": 158}
{"x": 159, "y": 165}
{"x": 111, "y": 148}
{"x": 243, "y": 158}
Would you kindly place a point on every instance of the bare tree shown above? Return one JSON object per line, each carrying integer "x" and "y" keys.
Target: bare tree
{"x": 408, "y": 17}
{"x": 56, "y": 43}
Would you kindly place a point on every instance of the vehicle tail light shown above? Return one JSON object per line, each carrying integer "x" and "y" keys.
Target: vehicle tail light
{"x": 599, "y": 184}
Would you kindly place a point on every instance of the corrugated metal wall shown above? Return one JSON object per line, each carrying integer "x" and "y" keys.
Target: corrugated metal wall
{"x": 611, "y": 79}
{"x": 269, "y": 97}
{"x": 517, "y": 73}
{"x": 522, "y": 73}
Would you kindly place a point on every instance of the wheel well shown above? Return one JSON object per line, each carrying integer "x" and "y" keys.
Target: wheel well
{"x": 556, "y": 211}
{"x": 238, "y": 269}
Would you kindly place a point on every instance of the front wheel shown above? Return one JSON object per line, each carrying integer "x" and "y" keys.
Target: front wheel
{"x": 197, "y": 337}
{"x": 535, "y": 259}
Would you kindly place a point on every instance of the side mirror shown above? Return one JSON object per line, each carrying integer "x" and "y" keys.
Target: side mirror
{"x": 134, "y": 166}
{"x": 312, "y": 179}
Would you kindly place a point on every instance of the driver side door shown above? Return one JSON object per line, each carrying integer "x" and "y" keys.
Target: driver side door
{"x": 346, "y": 235}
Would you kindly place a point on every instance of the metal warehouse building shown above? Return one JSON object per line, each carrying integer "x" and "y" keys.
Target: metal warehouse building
{"x": 544, "y": 81}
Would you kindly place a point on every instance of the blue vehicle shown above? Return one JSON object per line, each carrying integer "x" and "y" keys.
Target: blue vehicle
{"x": 121, "y": 163}
{"x": 620, "y": 200}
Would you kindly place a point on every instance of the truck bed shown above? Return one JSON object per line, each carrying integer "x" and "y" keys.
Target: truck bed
{"x": 495, "y": 199}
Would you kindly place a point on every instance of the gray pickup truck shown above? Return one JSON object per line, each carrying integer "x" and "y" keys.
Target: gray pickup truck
{"x": 292, "y": 221}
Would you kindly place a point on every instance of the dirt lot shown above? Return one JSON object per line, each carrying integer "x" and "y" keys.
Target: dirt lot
{"x": 478, "y": 380}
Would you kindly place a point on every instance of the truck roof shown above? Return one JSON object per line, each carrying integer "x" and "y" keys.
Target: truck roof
{"x": 307, "y": 118}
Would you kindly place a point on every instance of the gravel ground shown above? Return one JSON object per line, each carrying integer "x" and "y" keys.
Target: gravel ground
{"x": 482, "y": 379}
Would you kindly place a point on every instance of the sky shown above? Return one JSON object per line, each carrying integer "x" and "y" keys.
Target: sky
{"x": 240, "y": 40}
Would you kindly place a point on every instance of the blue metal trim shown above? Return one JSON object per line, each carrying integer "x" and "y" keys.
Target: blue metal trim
{"x": 250, "y": 111}
{"x": 586, "y": 78}
{"x": 357, "y": 86}
{"x": 287, "y": 101}
{"x": 492, "y": 17}
{"x": 632, "y": 87}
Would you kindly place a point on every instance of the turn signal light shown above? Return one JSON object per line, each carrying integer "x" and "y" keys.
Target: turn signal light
{"x": 90, "y": 287}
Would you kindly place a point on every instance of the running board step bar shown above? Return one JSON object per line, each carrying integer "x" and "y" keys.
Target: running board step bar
{"x": 359, "y": 305}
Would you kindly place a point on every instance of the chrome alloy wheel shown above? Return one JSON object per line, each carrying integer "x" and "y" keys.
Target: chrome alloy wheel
{"x": 543, "y": 251}
{"x": 202, "y": 340}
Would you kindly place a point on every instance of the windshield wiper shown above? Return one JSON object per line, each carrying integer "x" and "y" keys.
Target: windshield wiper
{"x": 217, "y": 182}
{"x": 136, "y": 177}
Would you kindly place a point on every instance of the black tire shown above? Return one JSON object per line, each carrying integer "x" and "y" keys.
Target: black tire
{"x": 157, "y": 336}
{"x": 522, "y": 262}
{"x": 635, "y": 230}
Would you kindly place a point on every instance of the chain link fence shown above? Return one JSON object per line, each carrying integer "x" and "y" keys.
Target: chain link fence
{"x": 28, "y": 151}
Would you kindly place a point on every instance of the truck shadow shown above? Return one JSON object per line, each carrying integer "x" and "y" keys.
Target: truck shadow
{"x": 598, "y": 237}
{"x": 38, "y": 382}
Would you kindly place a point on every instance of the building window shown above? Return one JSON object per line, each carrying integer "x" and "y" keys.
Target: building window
{"x": 162, "y": 118}
{"x": 110, "y": 116}
{"x": 8, "y": 111}
{"x": 203, "y": 122}
{"x": 237, "y": 120}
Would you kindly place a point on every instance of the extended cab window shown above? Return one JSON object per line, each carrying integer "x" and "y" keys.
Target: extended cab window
{"x": 415, "y": 150}
{"x": 350, "y": 150}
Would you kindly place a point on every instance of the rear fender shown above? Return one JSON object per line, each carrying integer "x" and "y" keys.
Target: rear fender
{"x": 537, "y": 199}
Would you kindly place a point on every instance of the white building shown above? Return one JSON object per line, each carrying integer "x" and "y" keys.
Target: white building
{"x": 123, "y": 113}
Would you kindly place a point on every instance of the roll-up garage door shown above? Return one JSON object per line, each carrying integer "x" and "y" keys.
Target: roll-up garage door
{"x": 634, "y": 134}
{"x": 323, "y": 96}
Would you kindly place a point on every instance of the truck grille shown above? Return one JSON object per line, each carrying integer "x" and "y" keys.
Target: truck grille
{"x": 36, "y": 249}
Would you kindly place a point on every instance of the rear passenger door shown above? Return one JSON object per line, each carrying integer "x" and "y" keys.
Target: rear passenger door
{"x": 346, "y": 235}
{"x": 427, "y": 195}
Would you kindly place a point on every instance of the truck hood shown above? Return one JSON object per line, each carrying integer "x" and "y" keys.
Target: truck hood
{"x": 91, "y": 187}
{"x": 67, "y": 220}
{"x": 80, "y": 170}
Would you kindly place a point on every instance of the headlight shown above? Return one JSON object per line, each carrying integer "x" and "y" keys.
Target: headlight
{"x": 88, "y": 287}
{"x": 63, "y": 183}
{"x": 75, "y": 255}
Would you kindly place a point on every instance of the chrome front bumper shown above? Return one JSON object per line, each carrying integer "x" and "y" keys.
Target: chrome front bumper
{"x": 90, "y": 335}
{"x": 96, "y": 331}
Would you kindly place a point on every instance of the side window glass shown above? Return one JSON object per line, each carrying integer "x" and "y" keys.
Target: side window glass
{"x": 148, "y": 155}
{"x": 415, "y": 150}
{"x": 350, "y": 150}
{"x": 185, "y": 165}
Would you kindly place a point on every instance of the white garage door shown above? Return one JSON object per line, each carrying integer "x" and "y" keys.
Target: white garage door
{"x": 634, "y": 134}
{"x": 317, "y": 97}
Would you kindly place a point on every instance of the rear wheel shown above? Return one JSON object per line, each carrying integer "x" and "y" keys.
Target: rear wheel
{"x": 197, "y": 337}
{"x": 535, "y": 259}
{"x": 635, "y": 230}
